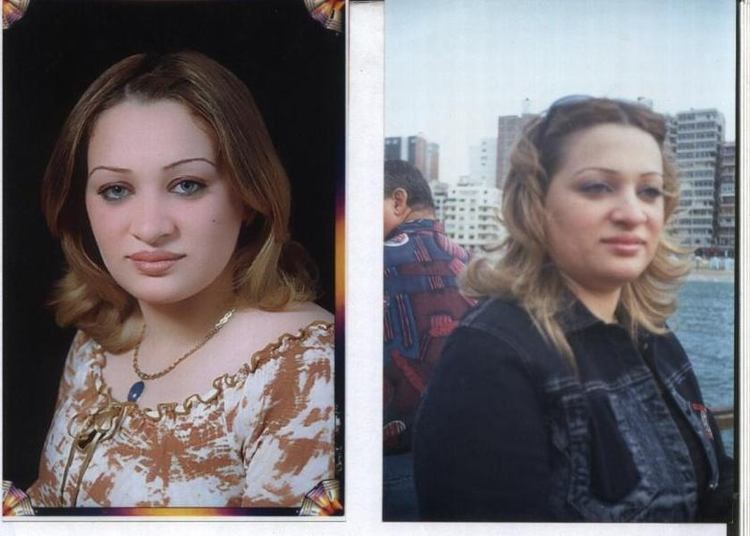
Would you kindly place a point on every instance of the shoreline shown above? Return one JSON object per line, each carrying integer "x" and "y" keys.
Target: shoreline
{"x": 702, "y": 274}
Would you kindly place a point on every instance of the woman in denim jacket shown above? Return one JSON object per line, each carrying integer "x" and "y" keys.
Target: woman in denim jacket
{"x": 563, "y": 396}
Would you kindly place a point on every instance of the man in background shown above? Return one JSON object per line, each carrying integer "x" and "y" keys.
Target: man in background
{"x": 422, "y": 306}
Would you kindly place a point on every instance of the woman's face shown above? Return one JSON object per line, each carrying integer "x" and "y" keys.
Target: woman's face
{"x": 163, "y": 214}
{"x": 605, "y": 206}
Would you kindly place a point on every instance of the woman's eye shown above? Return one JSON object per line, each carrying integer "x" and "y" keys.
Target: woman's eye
{"x": 651, "y": 192}
{"x": 595, "y": 188}
{"x": 188, "y": 187}
{"x": 114, "y": 192}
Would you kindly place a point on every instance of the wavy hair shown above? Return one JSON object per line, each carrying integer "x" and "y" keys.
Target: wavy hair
{"x": 269, "y": 270}
{"x": 524, "y": 270}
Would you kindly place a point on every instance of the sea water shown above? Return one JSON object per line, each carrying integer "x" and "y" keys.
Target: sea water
{"x": 704, "y": 322}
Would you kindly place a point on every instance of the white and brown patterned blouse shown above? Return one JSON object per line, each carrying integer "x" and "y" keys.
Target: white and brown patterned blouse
{"x": 262, "y": 437}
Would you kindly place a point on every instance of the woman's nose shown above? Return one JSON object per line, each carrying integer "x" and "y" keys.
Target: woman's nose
{"x": 151, "y": 221}
{"x": 630, "y": 209}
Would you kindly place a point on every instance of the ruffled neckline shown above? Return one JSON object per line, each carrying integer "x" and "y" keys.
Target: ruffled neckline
{"x": 226, "y": 380}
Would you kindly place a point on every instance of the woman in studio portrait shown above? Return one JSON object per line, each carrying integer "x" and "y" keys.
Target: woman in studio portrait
{"x": 564, "y": 395}
{"x": 201, "y": 373}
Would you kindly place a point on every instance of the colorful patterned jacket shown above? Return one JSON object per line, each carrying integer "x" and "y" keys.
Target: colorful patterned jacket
{"x": 421, "y": 307}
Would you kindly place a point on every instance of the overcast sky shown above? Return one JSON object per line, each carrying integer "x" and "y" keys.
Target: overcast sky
{"x": 453, "y": 66}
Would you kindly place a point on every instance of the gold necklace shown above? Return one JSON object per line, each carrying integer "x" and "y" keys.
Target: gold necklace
{"x": 136, "y": 390}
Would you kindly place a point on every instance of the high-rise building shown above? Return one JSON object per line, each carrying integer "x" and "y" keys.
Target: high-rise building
{"x": 725, "y": 221}
{"x": 698, "y": 136}
{"x": 509, "y": 129}
{"x": 671, "y": 122}
{"x": 432, "y": 162}
{"x": 439, "y": 195}
{"x": 483, "y": 162}
{"x": 469, "y": 215}
{"x": 416, "y": 150}
{"x": 395, "y": 148}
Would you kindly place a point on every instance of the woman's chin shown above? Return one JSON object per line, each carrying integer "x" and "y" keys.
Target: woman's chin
{"x": 622, "y": 272}
{"x": 616, "y": 281}
{"x": 606, "y": 279}
{"x": 173, "y": 290}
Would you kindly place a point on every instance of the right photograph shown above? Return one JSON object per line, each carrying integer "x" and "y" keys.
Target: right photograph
{"x": 559, "y": 261}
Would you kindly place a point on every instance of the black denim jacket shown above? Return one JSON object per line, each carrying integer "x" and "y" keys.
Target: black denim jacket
{"x": 508, "y": 431}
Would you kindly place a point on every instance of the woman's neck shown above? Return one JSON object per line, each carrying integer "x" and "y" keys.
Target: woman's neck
{"x": 184, "y": 322}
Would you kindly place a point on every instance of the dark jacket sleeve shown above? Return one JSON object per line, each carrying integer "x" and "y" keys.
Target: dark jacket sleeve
{"x": 717, "y": 505}
{"x": 481, "y": 447}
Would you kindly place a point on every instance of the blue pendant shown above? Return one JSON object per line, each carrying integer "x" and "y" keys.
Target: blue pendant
{"x": 136, "y": 390}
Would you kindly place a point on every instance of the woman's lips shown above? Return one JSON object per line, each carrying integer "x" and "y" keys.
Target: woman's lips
{"x": 154, "y": 263}
{"x": 624, "y": 245}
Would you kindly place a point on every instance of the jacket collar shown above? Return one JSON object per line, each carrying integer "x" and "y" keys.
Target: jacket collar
{"x": 575, "y": 316}
{"x": 422, "y": 224}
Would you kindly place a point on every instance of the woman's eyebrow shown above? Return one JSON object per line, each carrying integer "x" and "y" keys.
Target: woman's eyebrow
{"x": 605, "y": 170}
{"x": 611, "y": 171}
{"x": 188, "y": 160}
{"x": 115, "y": 169}
{"x": 110, "y": 168}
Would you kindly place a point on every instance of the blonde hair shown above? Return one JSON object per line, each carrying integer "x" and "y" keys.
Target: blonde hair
{"x": 269, "y": 270}
{"x": 525, "y": 271}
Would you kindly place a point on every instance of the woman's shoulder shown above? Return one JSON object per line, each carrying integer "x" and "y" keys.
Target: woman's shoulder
{"x": 501, "y": 326}
{"x": 83, "y": 350}
{"x": 298, "y": 354}
{"x": 78, "y": 385}
{"x": 293, "y": 316}
{"x": 300, "y": 315}
{"x": 289, "y": 333}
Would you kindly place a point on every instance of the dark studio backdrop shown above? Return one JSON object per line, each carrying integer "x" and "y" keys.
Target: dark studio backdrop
{"x": 293, "y": 66}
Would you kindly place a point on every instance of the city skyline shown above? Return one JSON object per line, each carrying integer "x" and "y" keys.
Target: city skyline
{"x": 453, "y": 67}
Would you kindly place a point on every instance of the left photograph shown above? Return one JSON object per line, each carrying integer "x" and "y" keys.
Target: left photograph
{"x": 172, "y": 175}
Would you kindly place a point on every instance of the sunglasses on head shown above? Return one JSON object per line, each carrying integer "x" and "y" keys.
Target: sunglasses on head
{"x": 574, "y": 100}
{"x": 567, "y": 100}
{"x": 557, "y": 105}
